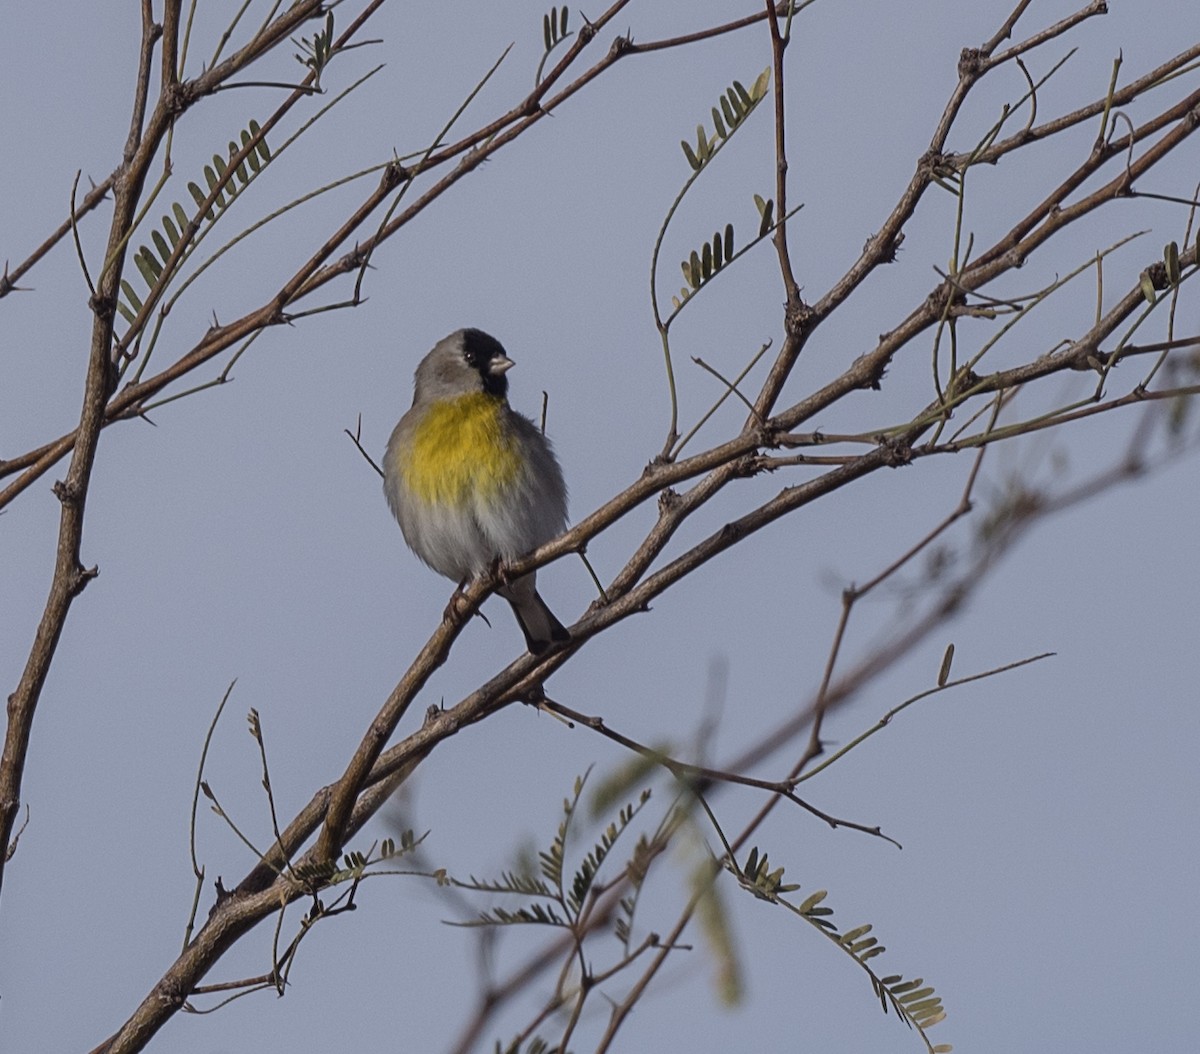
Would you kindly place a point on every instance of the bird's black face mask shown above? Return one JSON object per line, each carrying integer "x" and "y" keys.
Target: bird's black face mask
{"x": 482, "y": 353}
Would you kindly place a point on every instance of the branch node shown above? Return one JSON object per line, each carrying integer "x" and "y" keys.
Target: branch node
{"x": 394, "y": 175}
{"x": 747, "y": 466}
{"x": 170, "y": 992}
{"x": 223, "y": 894}
{"x": 65, "y": 492}
{"x": 874, "y": 380}
{"x": 620, "y": 45}
{"x": 964, "y": 379}
{"x": 668, "y": 501}
{"x": 81, "y": 577}
{"x": 934, "y": 162}
{"x": 886, "y": 251}
{"x": 797, "y": 316}
{"x": 1014, "y": 258}
{"x": 176, "y": 97}
{"x": 102, "y": 306}
{"x": 896, "y": 452}
{"x": 946, "y": 296}
{"x": 970, "y": 63}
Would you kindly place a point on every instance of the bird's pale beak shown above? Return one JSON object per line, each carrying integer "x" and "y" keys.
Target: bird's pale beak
{"x": 501, "y": 364}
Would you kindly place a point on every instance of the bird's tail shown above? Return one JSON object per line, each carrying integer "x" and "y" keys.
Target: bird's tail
{"x": 536, "y": 620}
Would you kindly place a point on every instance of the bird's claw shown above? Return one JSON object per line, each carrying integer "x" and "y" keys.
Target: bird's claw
{"x": 498, "y": 570}
{"x": 456, "y": 609}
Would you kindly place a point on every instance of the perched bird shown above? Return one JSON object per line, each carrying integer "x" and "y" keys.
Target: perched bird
{"x": 471, "y": 481}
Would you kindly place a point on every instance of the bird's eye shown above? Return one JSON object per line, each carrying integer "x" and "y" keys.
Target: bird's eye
{"x": 479, "y": 351}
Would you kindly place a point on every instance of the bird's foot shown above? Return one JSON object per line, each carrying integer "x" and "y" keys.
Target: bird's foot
{"x": 456, "y": 609}
{"x": 498, "y": 572}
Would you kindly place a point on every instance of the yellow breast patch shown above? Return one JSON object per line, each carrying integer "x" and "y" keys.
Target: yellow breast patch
{"x": 461, "y": 450}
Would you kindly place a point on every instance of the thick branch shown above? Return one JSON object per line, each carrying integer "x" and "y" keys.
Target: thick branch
{"x": 70, "y": 576}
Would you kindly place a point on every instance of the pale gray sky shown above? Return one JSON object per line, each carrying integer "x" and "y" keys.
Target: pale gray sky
{"x": 1048, "y": 817}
